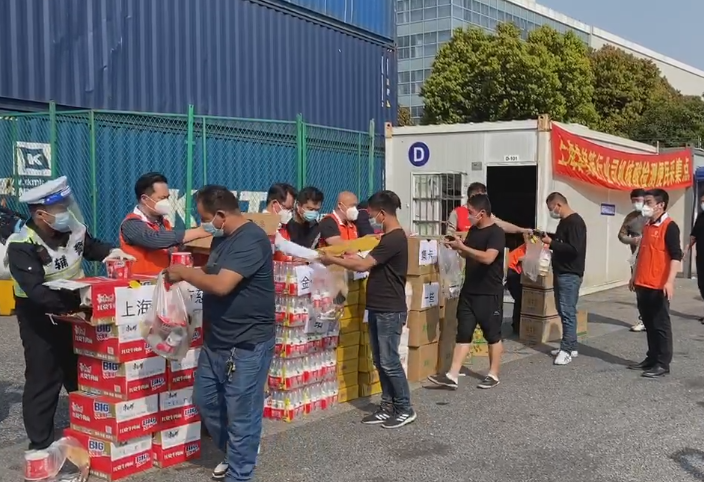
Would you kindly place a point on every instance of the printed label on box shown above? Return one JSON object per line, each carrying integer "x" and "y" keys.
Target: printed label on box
{"x": 118, "y": 343}
{"x": 180, "y": 374}
{"x": 176, "y": 408}
{"x": 113, "y": 420}
{"x": 431, "y": 295}
{"x": 177, "y": 445}
{"x": 428, "y": 252}
{"x": 125, "y": 381}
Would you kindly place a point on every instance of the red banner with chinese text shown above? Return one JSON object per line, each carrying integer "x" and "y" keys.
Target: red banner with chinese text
{"x": 577, "y": 158}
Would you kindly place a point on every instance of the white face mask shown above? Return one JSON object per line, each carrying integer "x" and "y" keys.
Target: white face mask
{"x": 285, "y": 216}
{"x": 352, "y": 213}
{"x": 163, "y": 207}
{"x": 702, "y": 206}
{"x": 554, "y": 215}
{"x": 647, "y": 211}
{"x": 638, "y": 205}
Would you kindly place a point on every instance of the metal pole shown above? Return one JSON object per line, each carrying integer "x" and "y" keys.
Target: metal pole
{"x": 371, "y": 157}
{"x": 189, "y": 166}
{"x": 52, "y": 139}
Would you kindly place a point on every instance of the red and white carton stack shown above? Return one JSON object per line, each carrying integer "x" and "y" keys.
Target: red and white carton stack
{"x": 134, "y": 409}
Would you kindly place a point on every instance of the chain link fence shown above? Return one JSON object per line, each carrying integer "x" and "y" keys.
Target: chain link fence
{"x": 103, "y": 153}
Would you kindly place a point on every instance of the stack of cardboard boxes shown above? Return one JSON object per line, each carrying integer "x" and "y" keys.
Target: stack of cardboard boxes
{"x": 368, "y": 377}
{"x": 540, "y": 322}
{"x": 351, "y": 337}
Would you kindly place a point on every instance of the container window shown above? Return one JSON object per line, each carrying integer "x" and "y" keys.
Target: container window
{"x": 434, "y": 198}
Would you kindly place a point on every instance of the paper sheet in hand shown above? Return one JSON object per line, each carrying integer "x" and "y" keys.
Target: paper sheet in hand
{"x": 292, "y": 249}
{"x": 65, "y": 284}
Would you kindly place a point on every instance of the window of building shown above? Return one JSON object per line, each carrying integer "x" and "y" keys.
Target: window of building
{"x": 402, "y": 18}
{"x": 430, "y": 13}
{"x": 434, "y": 198}
{"x": 404, "y": 89}
{"x": 426, "y": 73}
{"x": 403, "y": 53}
{"x": 430, "y": 38}
{"x": 445, "y": 11}
{"x": 431, "y": 3}
{"x": 416, "y": 15}
{"x": 404, "y": 77}
{"x": 444, "y": 35}
{"x": 416, "y": 76}
{"x": 402, "y": 5}
{"x": 416, "y": 4}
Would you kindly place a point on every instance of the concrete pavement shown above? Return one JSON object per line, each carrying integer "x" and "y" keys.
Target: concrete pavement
{"x": 591, "y": 421}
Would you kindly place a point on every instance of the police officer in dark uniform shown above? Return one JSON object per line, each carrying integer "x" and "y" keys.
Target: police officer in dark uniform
{"x": 50, "y": 246}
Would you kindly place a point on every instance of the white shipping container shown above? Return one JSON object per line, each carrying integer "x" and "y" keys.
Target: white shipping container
{"x": 430, "y": 168}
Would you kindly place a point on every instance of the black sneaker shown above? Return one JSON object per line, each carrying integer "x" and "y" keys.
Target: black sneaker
{"x": 488, "y": 382}
{"x": 442, "y": 380}
{"x": 400, "y": 419}
{"x": 380, "y": 416}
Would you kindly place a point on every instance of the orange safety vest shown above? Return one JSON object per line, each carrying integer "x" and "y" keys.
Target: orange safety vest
{"x": 348, "y": 231}
{"x": 514, "y": 256}
{"x": 463, "y": 223}
{"x": 148, "y": 261}
{"x": 653, "y": 264}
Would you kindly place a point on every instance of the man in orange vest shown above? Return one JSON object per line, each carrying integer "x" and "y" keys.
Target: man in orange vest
{"x": 657, "y": 263}
{"x": 458, "y": 221}
{"x": 279, "y": 201}
{"x": 339, "y": 226}
{"x": 146, "y": 234}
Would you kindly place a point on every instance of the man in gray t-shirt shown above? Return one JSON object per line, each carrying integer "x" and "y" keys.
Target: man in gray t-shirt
{"x": 631, "y": 232}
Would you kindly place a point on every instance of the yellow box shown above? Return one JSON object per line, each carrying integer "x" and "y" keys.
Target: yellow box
{"x": 347, "y": 380}
{"x": 478, "y": 336}
{"x": 354, "y": 285}
{"x": 364, "y": 336}
{"x": 350, "y": 312}
{"x": 352, "y": 299}
{"x": 369, "y": 378}
{"x": 479, "y": 349}
{"x": 365, "y": 351}
{"x": 369, "y": 390}
{"x": 365, "y": 243}
{"x": 348, "y": 394}
{"x": 348, "y": 366}
{"x": 366, "y": 365}
{"x": 350, "y": 339}
{"x": 347, "y": 353}
{"x": 7, "y": 298}
{"x": 350, "y": 325}
{"x": 365, "y": 330}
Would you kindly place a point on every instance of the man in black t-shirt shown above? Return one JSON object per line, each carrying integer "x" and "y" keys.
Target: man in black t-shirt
{"x": 304, "y": 229}
{"x": 482, "y": 296}
{"x": 697, "y": 239}
{"x": 386, "y": 304}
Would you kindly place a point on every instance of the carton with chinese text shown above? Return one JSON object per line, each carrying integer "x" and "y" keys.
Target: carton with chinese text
{"x": 114, "y": 420}
{"x": 176, "y": 408}
{"x": 112, "y": 461}
{"x": 176, "y": 445}
{"x": 180, "y": 374}
{"x": 117, "y": 343}
{"x": 124, "y": 381}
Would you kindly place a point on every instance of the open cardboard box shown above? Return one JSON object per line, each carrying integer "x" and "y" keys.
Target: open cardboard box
{"x": 97, "y": 297}
{"x": 268, "y": 222}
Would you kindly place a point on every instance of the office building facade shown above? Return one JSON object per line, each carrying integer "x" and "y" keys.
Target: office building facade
{"x": 423, "y": 26}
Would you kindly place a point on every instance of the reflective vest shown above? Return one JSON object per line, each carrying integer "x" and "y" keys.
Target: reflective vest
{"x": 148, "y": 261}
{"x": 514, "y": 256}
{"x": 348, "y": 231}
{"x": 66, "y": 262}
{"x": 653, "y": 262}
{"x": 463, "y": 223}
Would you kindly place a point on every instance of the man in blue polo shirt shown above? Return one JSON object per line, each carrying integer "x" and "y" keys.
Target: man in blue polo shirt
{"x": 238, "y": 312}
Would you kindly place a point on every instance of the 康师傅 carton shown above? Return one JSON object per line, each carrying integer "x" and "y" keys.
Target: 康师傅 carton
{"x": 111, "y": 419}
{"x": 176, "y": 445}
{"x": 180, "y": 374}
{"x": 124, "y": 381}
{"x": 176, "y": 408}
{"x": 111, "y": 461}
{"x": 115, "y": 343}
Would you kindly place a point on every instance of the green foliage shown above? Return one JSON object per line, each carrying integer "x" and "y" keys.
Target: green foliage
{"x": 404, "y": 117}
{"x": 672, "y": 120}
{"x": 624, "y": 87}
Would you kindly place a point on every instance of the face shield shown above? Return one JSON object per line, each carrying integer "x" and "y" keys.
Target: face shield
{"x": 61, "y": 211}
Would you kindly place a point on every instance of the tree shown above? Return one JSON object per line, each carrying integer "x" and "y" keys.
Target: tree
{"x": 478, "y": 77}
{"x": 672, "y": 120}
{"x": 404, "y": 117}
{"x": 624, "y": 87}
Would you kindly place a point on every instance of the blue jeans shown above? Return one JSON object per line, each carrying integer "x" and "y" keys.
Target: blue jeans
{"x": 566, "y": 297}
{"x": 385, "y": 336}
{"x": 232, "y": 405}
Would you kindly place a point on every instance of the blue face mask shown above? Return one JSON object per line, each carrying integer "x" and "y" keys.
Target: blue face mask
{"x": 212, "y": 230}
{"x": 310, "y": 216}
{"x": 62, "y": 222}
{"x": 375, "y": 224}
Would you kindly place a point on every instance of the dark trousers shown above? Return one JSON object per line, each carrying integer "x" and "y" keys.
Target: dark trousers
{"x": 654, "y": 309}
{"x": 385, "y": 329}
{"x": 700, "y": 272}
{"x": 513, "y": 285}
{"x": 49, "y": 364}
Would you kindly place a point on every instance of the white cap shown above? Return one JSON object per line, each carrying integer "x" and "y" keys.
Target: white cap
{"x": 47, "y": 193}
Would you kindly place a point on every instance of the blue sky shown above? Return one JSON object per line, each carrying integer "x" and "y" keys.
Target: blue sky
{"x": 672, "y": 28}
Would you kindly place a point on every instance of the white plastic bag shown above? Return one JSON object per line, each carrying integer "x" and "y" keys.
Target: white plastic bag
{"x": 166, "y": 326}
{"x": 536, "y": 261}
{"x": 450, "y": 266}
{"x": 290, "y": 248}
{"x": 4, "y": 262}
{"x": 66, "y": 460}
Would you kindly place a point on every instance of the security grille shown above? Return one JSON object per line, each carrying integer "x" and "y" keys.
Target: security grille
{"x": 434, "y": 198}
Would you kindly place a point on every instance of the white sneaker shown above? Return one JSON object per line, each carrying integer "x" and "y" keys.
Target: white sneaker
{"x": 220, "y": 470}
{"x": 557, "y": 352}
{"x": 638, "y": 327}
{"x": 563, "y": 358}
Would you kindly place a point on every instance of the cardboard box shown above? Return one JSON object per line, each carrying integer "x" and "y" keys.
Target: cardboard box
{"x": 542, "y": 283}
{"x": 479, "y": 349}
{"x": 536, "y": 330}
{"x": 365, "y": 243}
{"x": 114, "y": 420}
{"x": 181, "y": 374}
{"x": 422, "y": 295}
{"x": 346, "y": 380}
{"x": 348, "y": 394}
{"x": 369, "y": 390}
{"x": 350, "y": 324}
{"x": 114, "y": 343}
{"x": 366, "y": 365}
{"x": 478, "y": 336}
{"x": 368, "y": 378}
{"x": 176, "y": 445}
{"x": 347, "y": 353}
{"x": 449, "y": 308}
{"x": 348, "y": 366}
{"x": 177, "y": 408}
{"x": 582, "y": 319}
{"x": 538, "y": 302}
{"x": 422, "y": 362}
{"x": 422, "y": 256}
{"x": 124, "y": 381}
{"x": 352, "y": 298}
{"x": 98, "y": 297}
{"x": 268, "y": 222}
{"x": 112, "y": 461}
{"x": 423, "y": 326}
{"x": 446, "y": 343}
{"x": 350, "y": 339}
